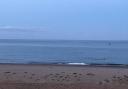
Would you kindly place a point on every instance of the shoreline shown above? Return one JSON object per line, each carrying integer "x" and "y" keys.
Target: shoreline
{"x": 71, "y": 65}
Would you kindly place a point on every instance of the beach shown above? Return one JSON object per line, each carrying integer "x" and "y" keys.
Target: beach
{"x": 16, "y": 76}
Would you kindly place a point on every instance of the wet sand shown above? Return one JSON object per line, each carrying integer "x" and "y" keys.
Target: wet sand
{"x": 62, "y": 77}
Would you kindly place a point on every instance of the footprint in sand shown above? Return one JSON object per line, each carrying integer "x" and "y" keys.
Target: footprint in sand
{"x": 33, "y": 74}
{"x": 37, "y": 80}
{"x": 25, "y": 72}
{"x": 100, "y": 83}
{"x": 107, "y": 81}
{"x": 7, "y": 72}
{"x": 90, "y": 74}
{"x": 13, "y": 73}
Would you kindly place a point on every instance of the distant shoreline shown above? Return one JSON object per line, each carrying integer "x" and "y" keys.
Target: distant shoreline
{"x": 64, "y": 40}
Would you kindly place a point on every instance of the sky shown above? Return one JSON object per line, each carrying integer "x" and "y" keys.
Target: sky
{"x": 64, "y": 19}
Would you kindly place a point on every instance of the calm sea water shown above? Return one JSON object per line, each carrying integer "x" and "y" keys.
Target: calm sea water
{"x": 62, "y": 51}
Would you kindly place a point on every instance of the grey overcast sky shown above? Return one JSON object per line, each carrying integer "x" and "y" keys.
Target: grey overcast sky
{"x": 64, "y": 19}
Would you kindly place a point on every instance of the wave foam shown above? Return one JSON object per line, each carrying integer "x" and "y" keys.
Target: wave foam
{"x": 77, "y": 64}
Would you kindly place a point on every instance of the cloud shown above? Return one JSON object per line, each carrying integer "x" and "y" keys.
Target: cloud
{"x": 20, "y": 29}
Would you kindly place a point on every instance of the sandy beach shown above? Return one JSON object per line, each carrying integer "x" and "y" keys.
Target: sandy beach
{"x": 62, "y": 77}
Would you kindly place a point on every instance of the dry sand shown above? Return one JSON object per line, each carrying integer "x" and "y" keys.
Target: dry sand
{"x": 62, "y": 77}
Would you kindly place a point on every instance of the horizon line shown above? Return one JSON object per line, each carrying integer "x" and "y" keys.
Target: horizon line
{"x": 63, "y": 39}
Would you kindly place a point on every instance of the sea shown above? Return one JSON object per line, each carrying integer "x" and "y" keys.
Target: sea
{"x": 81, "y": 52}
